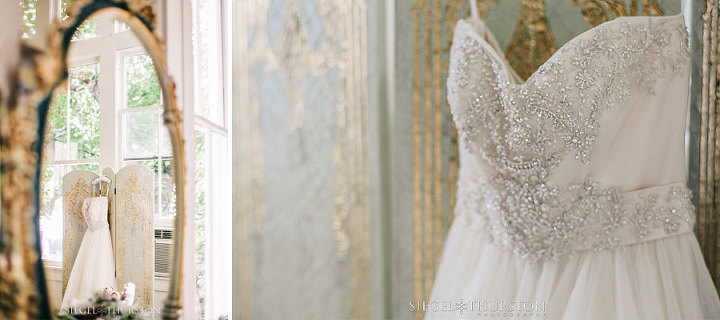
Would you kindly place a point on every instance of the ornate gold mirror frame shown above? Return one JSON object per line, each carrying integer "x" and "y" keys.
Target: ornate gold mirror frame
{"x": 23, "y": 292}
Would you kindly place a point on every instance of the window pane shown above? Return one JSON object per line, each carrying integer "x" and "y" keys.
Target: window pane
{"x": 87, "y": 30}
{"x": 120, "y": 26}
{"x": 165, "y": 145}
{"x": 84, "y": 113}
{"x": 74, "y": 118}
{"x": 207, "y": 42}
{"x": 56, "y": 140}
{"x": 51, "y": 211}
{"x": 51, "y": 207}
{"x": 220, "y": 212}
{"x": 142, "y": 86}
{"x": 29, "y": 17}
{"x": 168, "y": 189}
{"x": 141, "y": 134}
{"x": 200, "y": 219}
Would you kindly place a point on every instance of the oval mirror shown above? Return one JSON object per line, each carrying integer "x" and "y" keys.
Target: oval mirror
{"x": 110, "y": 178}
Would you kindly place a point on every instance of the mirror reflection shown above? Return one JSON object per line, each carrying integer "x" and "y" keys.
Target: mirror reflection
{"x": 107, "y": 194}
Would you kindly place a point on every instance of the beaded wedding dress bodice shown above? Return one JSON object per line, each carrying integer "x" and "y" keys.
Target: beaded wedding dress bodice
{"x": 572, "y": 200}
{"x": 588, "y": 153}
{"x": 94, "y": 266}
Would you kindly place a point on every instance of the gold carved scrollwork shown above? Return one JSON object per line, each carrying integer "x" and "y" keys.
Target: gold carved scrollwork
{"x": 77, "y": 193}
{"x": 72, "y": 201}
{"x": 533, "y": 42}
{"x": 135, "y": 205}
{"x": 596, "y": 12}
{"x": 134, "y": 200}
{"x": 18, "y": 132}
{"x": 484, "y": 6}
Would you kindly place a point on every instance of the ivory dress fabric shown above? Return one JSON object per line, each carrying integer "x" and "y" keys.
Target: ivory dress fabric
{"x": 94, "y": 267}
{"x": 572, "y": 198}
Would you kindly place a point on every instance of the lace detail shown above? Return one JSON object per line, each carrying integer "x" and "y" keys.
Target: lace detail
{"x": 95, "y": 212}
{"x": 578, "y": 217}
{"x": 523, "y": 131}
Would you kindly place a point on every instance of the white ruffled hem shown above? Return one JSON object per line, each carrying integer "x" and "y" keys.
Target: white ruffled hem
{"x": 660, "y": 279}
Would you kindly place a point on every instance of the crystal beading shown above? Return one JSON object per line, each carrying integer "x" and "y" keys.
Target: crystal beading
{"x": 523, "y": 131}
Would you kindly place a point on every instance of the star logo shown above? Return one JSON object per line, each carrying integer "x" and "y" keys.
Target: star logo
{"x": 461, "y": 305}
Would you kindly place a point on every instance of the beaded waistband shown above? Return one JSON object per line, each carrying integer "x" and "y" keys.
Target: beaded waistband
{"x": 651, "y": 214}
{"x": 578, "y": 217}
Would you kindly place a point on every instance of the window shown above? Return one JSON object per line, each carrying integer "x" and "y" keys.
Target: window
{"x": 29, "y": 17}
{"x": 73, "y": 142}
{"x": 145, "y": 138}
{"x": 212, "y": 182}
{"x": 115, "y": 90}
{"x": 87, "y": 30}
{"x": 109, "y": 115}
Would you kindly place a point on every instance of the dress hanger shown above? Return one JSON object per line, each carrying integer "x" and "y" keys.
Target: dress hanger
{"x": 105, "y": 179}
{"x": 474, "y": 10}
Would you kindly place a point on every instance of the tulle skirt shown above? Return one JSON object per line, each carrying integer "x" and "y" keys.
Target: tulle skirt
{"x": 660, "y": 279}
{"x": 94, "y": 267}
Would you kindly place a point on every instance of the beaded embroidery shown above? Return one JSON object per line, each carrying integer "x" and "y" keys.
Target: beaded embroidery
{"x": 523, "y": 131}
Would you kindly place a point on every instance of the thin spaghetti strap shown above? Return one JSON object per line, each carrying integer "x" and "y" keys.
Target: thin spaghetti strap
{"x": 474, "y": 13}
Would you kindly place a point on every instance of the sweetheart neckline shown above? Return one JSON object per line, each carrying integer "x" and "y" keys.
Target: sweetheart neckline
{"x": 473, "y": 32}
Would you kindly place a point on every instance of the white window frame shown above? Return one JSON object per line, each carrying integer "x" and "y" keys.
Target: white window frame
{"x": 108, "y": 49}
{"x": 76, "y": 61}
{"x": 177, "y": 30}
{"x": 218, "y": 209}
{"x": 122, "y": 111}
{"x": 176, "y": 16}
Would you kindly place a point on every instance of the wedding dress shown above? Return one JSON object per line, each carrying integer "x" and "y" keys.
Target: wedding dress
{"x": 94, "y": 267}
{"x": 572, "y": 198}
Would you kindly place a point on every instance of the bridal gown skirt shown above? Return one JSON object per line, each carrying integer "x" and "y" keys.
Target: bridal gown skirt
{"x": 94, "y": 267}
{"x": 659, "y": 279}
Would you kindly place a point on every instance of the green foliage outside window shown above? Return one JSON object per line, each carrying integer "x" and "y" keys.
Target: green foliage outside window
{"x": 29, "y": 17}
{"x": 143, "y": 88}
{"x": 82, "y": 123}
{"x": 200, "y": 217}
{"x": 79, "y": 128}
{"x": 88, "y": 29}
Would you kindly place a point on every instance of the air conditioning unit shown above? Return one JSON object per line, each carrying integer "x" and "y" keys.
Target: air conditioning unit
{"x": 163, "y": 251}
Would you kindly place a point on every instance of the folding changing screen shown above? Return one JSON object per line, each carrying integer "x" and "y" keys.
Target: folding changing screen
{"x": 130, "y": 206}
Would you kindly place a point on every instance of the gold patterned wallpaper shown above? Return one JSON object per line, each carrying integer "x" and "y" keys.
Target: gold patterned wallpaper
{"x": 301, "y": 83}
{"x": 705, "y": 131}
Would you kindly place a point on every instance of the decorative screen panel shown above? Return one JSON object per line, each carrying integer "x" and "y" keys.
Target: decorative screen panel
{"x": 109, "y": 189}
{"x": 134, "y": 235}
{"x": 76, "y": 187}
{"x": 130, "y": 206}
